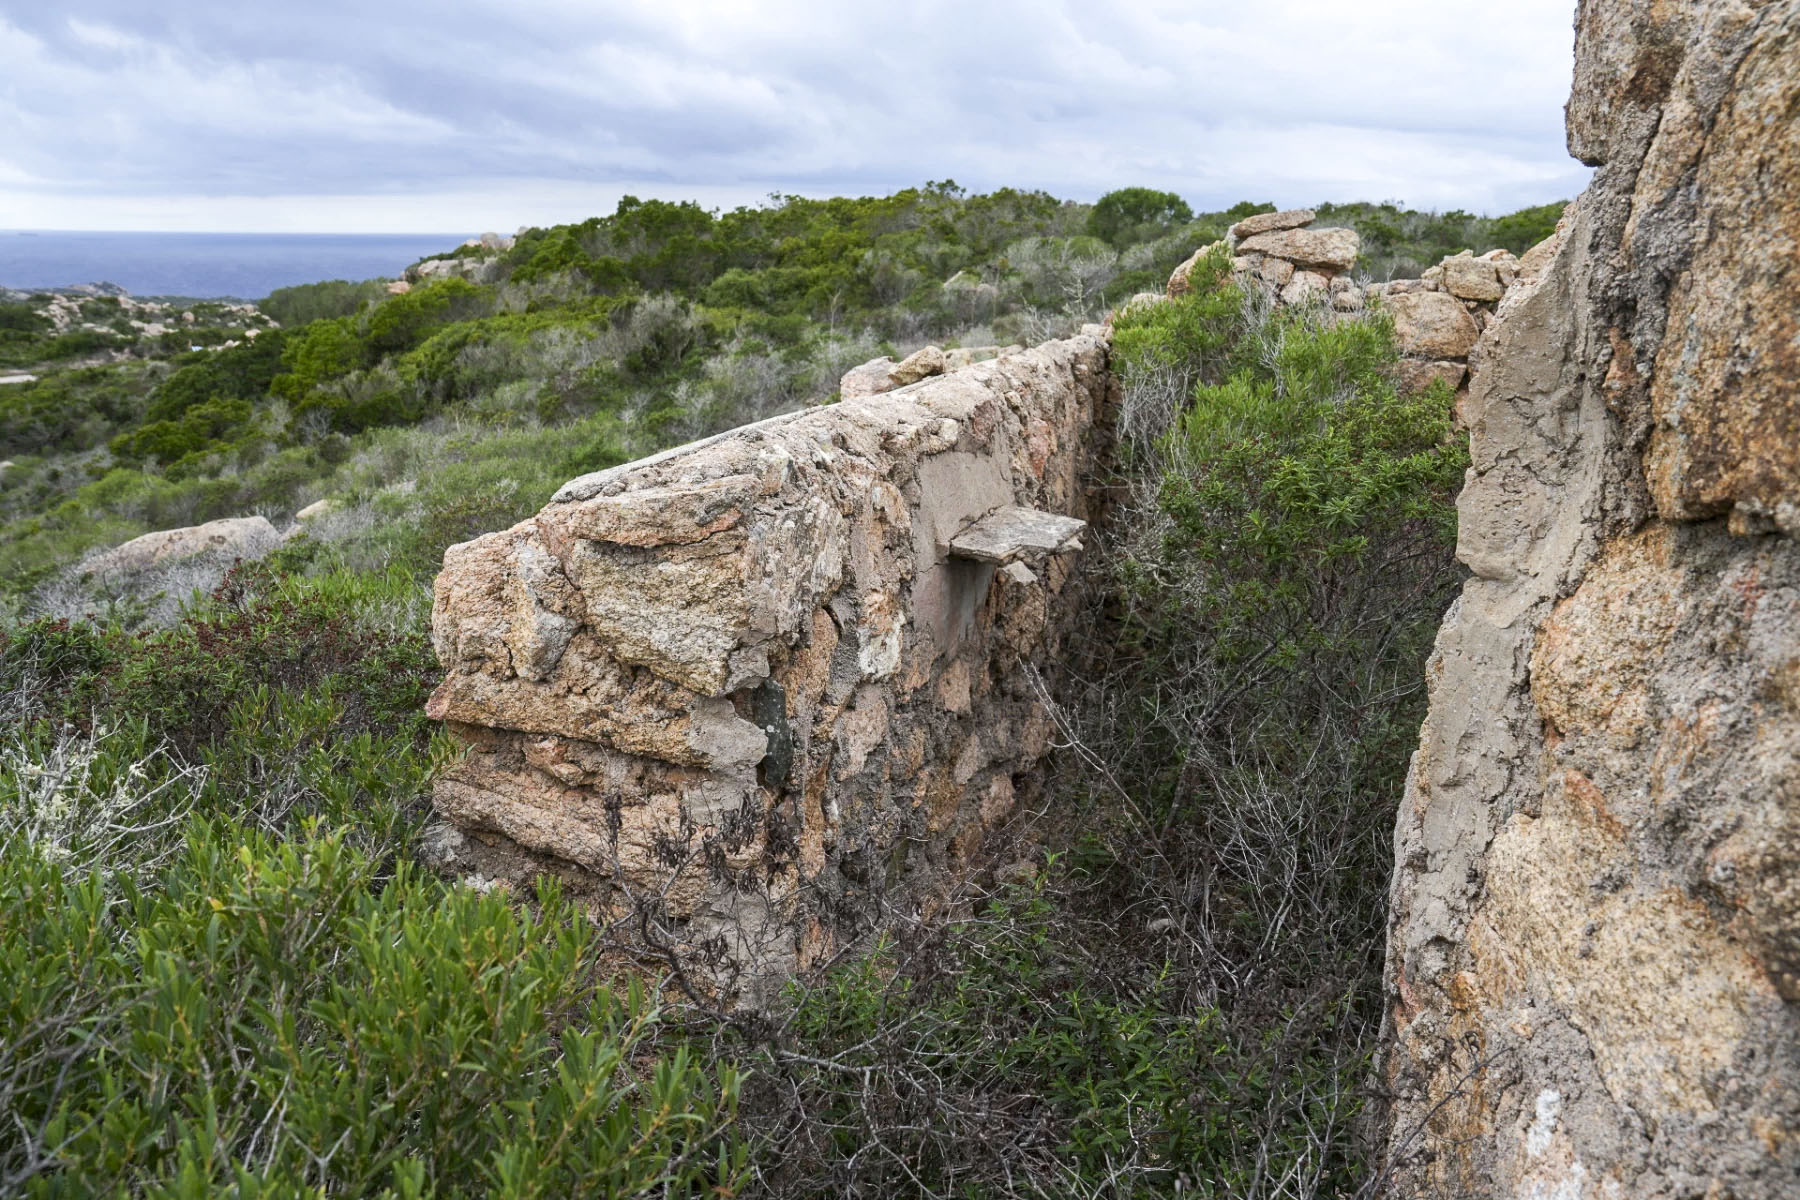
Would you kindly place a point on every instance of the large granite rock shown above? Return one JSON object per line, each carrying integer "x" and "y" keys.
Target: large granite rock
{"x": 1594, "y": 955}
{"x": 884, "y": 374}
{"x": 230, "y": 537}
{"x": 746, "y": 690}
{"x": 1469, "y": 278}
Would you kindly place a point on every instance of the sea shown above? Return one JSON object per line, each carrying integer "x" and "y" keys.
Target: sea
{"x": 243, "y": 266}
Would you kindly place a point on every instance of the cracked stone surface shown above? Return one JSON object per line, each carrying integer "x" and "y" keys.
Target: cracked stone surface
{"x": 1594, "y": 949}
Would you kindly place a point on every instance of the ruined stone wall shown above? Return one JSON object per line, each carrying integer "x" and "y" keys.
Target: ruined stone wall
{"x": 748, "y": 691}
{"x": 1438, "y": 318}
{"x": 1594, "y": 954}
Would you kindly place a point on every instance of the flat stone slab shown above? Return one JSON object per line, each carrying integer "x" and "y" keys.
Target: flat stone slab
{"x": 4, "y": 379}
{"x": 1009, "y": 534}
{"x": 1293, "y": 218}
{"x": 1332, "y": 249}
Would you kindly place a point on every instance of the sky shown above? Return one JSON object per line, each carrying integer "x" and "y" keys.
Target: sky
{"x": 463, "y": 115}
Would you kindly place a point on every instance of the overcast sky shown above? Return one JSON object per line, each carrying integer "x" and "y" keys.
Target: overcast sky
{"x": 461, "y": 115}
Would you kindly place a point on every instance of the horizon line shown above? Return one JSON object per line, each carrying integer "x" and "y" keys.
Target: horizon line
{"x": 31, "y": 231}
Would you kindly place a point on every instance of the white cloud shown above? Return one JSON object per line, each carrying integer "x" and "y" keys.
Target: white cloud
{"x": 122, "y": 115}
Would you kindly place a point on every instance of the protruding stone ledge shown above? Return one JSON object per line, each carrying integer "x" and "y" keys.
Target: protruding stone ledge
{"x": 1012, "y": 533}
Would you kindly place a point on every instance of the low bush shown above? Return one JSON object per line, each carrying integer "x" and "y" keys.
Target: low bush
{"x": 308, "y": 302}
{"x": 72, "y": 411}
{"x": 224, "y": 975}
{"x": 1020, "y": 1052}
{"x": 1281, "y": 572}
{"x": 259, "y": 631}
{"x": 263, "y": 1016}
{"x": 80, "y": 343}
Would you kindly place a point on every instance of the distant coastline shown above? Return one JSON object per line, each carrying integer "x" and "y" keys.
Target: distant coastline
{"x": 242, "y": 266}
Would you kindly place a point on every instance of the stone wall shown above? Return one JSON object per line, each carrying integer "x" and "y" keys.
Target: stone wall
{"x": 756, "y": 691}
{"x": 1283, "y": 252}
{"x": 1439, "y": 318}
{"x": 1594, "y": 955}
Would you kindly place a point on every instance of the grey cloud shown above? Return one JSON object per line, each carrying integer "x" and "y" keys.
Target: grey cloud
{"x": 1435, "y": 101}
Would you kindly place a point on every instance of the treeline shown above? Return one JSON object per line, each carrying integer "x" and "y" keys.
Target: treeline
{"x": 660, "y": 322}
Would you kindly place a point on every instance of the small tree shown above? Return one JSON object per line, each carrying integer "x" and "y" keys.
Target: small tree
{"x": 1136, "y": 214}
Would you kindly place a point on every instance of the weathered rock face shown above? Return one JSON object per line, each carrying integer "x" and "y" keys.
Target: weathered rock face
{"x": 749, "y": 688}
{"x": 1594, "y": 956}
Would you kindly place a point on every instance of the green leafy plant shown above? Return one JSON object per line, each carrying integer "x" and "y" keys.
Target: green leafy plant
{"x": 226, "y": 976}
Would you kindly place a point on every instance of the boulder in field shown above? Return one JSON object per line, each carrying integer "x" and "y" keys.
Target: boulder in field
{"x": 230, "y": 537}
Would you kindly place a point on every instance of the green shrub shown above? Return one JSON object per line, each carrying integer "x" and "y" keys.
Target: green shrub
{"x": 267, "y": 1017}
{"x": 259, "y": 630}
{"x": 402, "y": 322}
{"x": 72, "y": 411}
{"x": 1520, "y": 231}
{"x": 22, "y": 318}
{"x": 1283, "y": 565}
{"x": 79, "y": 342}
{"x": 241, "y": 372}
{"x": 323, "y": 351}
{"x": 1136, "y": 214}
{"x": 202, "y": 428}
{"x": 223, "y": 974}
{"x": 295, "y": 306}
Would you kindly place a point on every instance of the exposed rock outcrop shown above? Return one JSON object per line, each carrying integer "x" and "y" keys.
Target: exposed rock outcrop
{"x": 884, "y": 374}
{"x": 1594, "y": 956}
{"x": 480, "y": 270}
{"x": 229, "y": 537}
{"x": 1303, "y": 265}
{"x": 751, "y": 686}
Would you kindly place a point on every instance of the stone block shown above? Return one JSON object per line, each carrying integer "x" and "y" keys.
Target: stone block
{"x": 1330, "y": 249}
